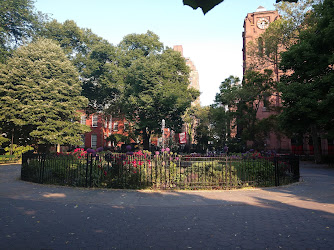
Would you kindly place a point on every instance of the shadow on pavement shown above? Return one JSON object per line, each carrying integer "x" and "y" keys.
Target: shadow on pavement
{"x": 34, "y": 216}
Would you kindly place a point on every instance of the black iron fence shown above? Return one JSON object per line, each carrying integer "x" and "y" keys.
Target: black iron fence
{"x": 159, "y": 171}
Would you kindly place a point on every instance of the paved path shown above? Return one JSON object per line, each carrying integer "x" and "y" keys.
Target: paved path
{"x": 298, "y": 216}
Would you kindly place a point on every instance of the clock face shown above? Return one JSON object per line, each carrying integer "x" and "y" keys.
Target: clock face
{"x": 263, "y": 23}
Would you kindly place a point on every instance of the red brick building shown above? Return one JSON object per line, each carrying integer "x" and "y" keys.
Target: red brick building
{"x": 254, "y": 25}
{"x": 102, "y": 127}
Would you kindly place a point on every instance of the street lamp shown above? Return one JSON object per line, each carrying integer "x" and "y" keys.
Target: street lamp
{"x": 163, "y": 124}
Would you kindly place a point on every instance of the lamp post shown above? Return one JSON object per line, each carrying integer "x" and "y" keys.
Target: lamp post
{"x": 163, "y": 123}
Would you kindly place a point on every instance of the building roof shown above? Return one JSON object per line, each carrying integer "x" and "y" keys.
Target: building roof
{"x": 260, "y": 9}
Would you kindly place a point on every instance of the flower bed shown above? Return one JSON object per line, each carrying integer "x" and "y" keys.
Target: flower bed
{"x": 162, "y": 170}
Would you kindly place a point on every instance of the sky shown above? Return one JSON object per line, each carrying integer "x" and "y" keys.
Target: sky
{"x": 212, "y": 41}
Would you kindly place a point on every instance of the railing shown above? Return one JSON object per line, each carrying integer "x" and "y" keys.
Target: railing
{"x": 159, "y": 171}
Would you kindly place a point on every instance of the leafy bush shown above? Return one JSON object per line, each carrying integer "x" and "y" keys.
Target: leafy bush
{"x": 18, "y": 150}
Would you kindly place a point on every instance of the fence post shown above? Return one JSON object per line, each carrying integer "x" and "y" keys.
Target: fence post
{"x": 87, "y": 162}
{"x": 91, "y": 170}
{"x": 276, "y": 172}
{"x": 41, "y": 172}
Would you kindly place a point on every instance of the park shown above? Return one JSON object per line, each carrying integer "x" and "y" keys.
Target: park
{"x": 107, "y": 146}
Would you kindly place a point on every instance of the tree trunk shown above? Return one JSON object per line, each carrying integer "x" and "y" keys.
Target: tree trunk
{"x": 316, "y": 145}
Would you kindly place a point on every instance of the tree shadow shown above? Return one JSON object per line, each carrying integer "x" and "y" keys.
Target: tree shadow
{"x": 45, "y": 216}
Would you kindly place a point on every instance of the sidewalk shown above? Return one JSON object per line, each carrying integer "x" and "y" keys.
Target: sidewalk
{"x": 38, "y": 216}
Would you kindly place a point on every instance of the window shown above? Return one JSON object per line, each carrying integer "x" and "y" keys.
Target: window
{"x": 93, "y": 143}
{"x": 83, "y": 120}
{"x": 94, "y": 121}
{"x": 116, "y": 126}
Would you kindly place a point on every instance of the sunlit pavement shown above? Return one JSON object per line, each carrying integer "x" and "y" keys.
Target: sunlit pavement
{"x": 298, "y": 216}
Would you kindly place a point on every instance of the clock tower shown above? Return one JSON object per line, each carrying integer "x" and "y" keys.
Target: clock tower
{"x": 254, "y": 25}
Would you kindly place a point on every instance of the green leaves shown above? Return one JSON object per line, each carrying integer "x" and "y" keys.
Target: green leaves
{"x": 40, "y": 94}
{"x": 307, "y": 90}
{"x": 156, "y": 84}
{"x": 18, "y": 22}
{"x": 236, "y": 107}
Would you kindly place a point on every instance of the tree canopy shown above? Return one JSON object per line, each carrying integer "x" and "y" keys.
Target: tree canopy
{"x": 18, "y": 22}
{"x": 237, "y": 104}
{"x": 156, "y": 86}
{"x": 307, "y": 88}
{"x": 97, "y": 62}
{"x": 40, "y": 95}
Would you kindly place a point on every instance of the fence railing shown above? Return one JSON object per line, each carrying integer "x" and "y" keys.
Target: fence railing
{"x": 159, "y": 171}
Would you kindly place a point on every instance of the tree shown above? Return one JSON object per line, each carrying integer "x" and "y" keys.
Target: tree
{"x": 156, "y": 86}
{"x": 191, "y": 122}
{"x": 18, "y": 22}
{"x": 97, "y": 62}
{"x": 237, "y": 104}
{"x": 223, "y": 110}
{"x": 203, "y": 133}
{"x": 68, "y": 35}
{"x": 40, "y": 95}
{"x": 307, "y": 88}
{"x": 207, "y": 5}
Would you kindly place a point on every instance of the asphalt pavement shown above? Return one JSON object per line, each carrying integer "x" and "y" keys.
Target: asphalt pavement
{"x": 297, "y": 216}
